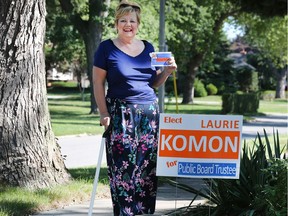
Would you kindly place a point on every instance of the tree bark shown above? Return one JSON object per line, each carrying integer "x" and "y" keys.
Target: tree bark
{"x": 92, "y": 39}
{"x": 281, "y": 76}
{"x": 193, "y": 66}
{"x": 29, "y": 154}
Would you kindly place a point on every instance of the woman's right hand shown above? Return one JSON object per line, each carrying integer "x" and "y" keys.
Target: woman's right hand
{"x": 105, "y": 120}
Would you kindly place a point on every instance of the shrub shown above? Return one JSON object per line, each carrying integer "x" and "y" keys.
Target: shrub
{"x": 260, "y": 190}
{"x": 199, "y": 89}
{"x": 275, "y": 190}
{"x": 221, "y": 89}
{"x": 211, "y": 89}
{"x": 247, "y": 79}
{"x": 240, "y": 103}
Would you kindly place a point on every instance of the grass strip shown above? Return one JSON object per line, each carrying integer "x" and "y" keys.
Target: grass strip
{"x": 18, "y": 201}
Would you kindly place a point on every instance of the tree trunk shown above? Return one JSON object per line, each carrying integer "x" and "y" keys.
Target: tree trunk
{"x": 190, "y": 77}
{"x": 188, "y": 85}
{"x": 91, "y": 31}
{"x": 92, "y": 40}
{"x": 281, "y": 76}
{"x": 29, "y": 154}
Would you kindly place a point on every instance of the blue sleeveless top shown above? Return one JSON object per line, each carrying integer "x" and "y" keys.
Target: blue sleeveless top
{"x": 129, "y": 78}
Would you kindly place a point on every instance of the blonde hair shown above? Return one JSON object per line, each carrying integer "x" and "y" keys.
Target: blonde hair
{"x": 126, "y": 7}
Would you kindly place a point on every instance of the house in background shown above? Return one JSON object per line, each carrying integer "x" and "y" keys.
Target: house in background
{"x": 54, "y": 75}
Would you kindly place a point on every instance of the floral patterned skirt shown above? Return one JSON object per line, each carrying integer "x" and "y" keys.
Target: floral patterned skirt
{"x": 131, "y": 150}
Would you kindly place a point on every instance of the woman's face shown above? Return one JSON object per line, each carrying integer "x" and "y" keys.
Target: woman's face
{"x": 127, "y": 25}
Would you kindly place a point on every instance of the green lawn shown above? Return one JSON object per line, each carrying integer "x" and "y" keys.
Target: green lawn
{"x": 70, "y": 114}
{"x": 276, "y": 106}
{"x": 19, "y": 202}
{"x": 69, "y": 110}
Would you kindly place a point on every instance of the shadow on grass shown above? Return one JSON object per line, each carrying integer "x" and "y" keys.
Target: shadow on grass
{"x": 12, "y": 203}
{"x": 55, "y": 102}
{"x": 72, "y": 115}
{"x": 193, "y": 108}
{"x": 68, "y": 97}
{"x": 200, "y": 111}
{"x": 89, "y": 174}
{"x": 74, "y": 123}
{"x": 281, "y": 100}
{"x": 17, "y": 208}
{"x": 61, "y": 90}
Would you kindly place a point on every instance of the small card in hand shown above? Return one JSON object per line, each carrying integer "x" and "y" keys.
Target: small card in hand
{"x": 160, "y": 59}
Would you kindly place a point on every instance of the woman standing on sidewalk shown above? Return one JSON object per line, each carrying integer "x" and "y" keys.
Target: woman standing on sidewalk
{"x": 131, "y": 108}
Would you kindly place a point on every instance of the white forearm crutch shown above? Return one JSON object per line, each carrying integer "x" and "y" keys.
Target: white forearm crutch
{"x": 105, "y": 134}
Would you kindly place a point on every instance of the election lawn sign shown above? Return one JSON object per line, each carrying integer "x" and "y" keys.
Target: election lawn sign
{"x": 199, "y": 146}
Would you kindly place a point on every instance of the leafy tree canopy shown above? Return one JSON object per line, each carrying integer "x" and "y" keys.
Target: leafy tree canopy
{"x": 193, "y": 27}
{"x": 62, "y": 41}
{"x": 264, "y": 8}
{"x": 269, "y": 36}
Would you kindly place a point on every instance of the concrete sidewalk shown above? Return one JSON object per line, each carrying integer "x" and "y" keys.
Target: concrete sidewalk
{"x": 83, "y": 151}
{"x": 169, "y": 198}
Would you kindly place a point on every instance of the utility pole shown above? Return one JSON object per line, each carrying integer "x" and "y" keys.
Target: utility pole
{"x": 162, "y": 48}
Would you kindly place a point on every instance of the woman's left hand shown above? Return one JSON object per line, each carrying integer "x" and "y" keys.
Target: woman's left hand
{"x": 163, "y": 74}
